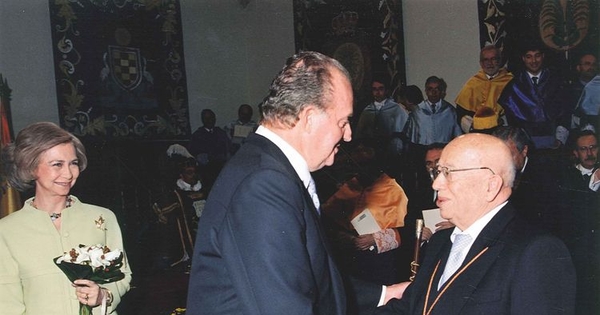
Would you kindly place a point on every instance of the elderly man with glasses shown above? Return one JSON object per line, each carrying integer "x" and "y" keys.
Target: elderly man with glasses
{"x": 492, "y": 262}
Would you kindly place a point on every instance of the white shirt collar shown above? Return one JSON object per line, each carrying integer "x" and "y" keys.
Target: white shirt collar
{"x": 187, "y": 187}
{"x": 525, "y": 164}
{"x": 475, "y": 229}
{"x": 492, "y": 76}
{"x": 534, "y": 75}
{"x": 298, "y": 162}
{"x": 583, "y": 170}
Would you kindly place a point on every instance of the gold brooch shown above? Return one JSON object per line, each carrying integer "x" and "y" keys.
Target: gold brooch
{"x": 100, "y": 223}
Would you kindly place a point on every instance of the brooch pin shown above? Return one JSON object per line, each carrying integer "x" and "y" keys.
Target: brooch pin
{"x": 100, "y": 223}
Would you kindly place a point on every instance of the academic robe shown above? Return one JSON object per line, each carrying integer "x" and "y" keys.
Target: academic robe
{"x": 480, "y": 91}
{"x": 537, "y": 109}
{"x": 425, "y": 127}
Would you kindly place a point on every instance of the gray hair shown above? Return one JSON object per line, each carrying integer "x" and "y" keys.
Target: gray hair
{"x": 305, "y": 80}
{"x": 21, "y": 158}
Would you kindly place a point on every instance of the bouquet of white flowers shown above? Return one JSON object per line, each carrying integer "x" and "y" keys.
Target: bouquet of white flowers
{"x": 97, "y": 263}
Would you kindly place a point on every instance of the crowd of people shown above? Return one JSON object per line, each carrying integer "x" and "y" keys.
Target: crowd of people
{"x": 267, "y": 223}
{"x": 528, "y": 125}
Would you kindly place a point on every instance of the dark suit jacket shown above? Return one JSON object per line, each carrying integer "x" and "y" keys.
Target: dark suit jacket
{"x": 260, "y": 248}
{"x": 523, "y": 271}
{"x": 580, "y": 225}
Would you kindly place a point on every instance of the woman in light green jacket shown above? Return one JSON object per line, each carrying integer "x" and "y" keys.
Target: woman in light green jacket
{"x": 49, "y": 159}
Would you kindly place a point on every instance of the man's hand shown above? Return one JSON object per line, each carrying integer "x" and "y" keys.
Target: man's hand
{"x": 395, "y": 291}
{"x": 426, "y": 234}
{"x": 444, "y": 225}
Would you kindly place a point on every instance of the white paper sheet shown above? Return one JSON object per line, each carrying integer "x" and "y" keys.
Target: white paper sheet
{"x": 431, "y": 217}
{"x": 365, "y": 223}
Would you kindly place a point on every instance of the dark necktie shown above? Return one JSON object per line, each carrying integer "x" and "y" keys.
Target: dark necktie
{"x": 586, "y": 178}
{"x": 535, "y": 80}
{"x": 433, "y": 108}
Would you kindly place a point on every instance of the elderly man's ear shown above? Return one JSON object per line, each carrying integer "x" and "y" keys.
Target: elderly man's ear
{"x": 494, "y": 186}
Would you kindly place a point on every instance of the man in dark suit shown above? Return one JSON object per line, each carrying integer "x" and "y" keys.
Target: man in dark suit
{"x": 492, "y": 262}
{"x": 534, "y": 192}
{"x": 580, "y": 220}
{"x": 260, "y": 248}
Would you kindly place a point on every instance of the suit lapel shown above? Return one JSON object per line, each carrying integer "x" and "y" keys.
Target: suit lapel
{"x": 491, "y": 237}
{"x": 312, "y": 220}
{"x": 271, "y": 149}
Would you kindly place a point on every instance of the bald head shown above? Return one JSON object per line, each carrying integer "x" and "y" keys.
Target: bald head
{"x": 483, "y": 149}
{"x": 476, "y": 175}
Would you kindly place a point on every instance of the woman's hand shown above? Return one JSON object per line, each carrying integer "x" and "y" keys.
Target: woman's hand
{"x": 88, "y": 292}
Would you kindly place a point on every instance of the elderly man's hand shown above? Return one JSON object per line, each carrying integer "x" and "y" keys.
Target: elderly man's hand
{"x": 395, "y": 291}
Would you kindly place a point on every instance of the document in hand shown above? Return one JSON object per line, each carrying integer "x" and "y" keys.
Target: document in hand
{"x": 242, "y": 131}
{"x": 431, "y": 217}
{"x": 365, "y": 223}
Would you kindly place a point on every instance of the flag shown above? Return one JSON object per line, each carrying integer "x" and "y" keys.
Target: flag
{"x": 10, "y": 200}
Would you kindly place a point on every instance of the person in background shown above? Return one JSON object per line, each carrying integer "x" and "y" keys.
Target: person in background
{"x": 372, "y": 256}
{"x": 536, "y": 99}
{"x": 484, "y": 88}
{"x": 585, "y": 70}
{"x": 239, "y": 129}
{"x": 48, "y": 159}
{"x": 409, "y": 97}
{"x": 535, "y": 193}
{"x": 424, "y": 199}
{"x": 492, "y": 262}
{"x": 380, "y": 126}
{"x": 587, "y": 111}
{"x": 211, "y": 147}
{"x": 433, "y": 121}
{"x": 179, "y": 208}
{"x": 580, "y": 222}
{"x": 260, "y": 246}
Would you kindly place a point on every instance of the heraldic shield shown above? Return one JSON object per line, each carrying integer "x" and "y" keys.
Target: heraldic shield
{"x": 125, "y": 66}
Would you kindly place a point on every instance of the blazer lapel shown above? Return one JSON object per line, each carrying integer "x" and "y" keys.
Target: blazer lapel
{"x": 271, "y": 149}
{"x": 492, "y": 241}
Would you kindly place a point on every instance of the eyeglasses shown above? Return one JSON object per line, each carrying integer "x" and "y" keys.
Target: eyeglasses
{"x": 588, "y": 148}
{"x": 436, "y": 171}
